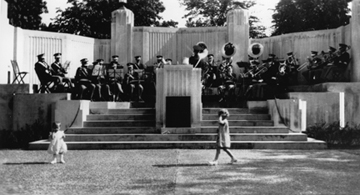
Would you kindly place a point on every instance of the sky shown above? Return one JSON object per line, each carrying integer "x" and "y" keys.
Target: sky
{"x": 174, "y": 11}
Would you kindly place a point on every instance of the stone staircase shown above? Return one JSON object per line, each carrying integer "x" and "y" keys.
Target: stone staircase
{"x": 134, "y": 128}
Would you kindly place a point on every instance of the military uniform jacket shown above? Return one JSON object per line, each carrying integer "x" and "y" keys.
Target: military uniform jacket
{"x": 82, "y": 74}
{"x": 57, "y": 69}
{"x": 139, "y": 66}
{"x": 43, "y": 71}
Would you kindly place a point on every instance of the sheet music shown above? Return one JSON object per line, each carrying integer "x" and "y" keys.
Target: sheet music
{"x": 115, "y": 73}
{"x": 97, "y": 71}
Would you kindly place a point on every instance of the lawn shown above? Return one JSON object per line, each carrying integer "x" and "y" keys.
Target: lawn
{"x": 181, "y": 172}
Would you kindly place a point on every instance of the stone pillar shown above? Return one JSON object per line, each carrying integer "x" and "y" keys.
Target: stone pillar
{"x": 122, "y": 34}
{"x": 178, "y": 81}
{"x": 355, "y": 41}
{"x": 238, "y": 34}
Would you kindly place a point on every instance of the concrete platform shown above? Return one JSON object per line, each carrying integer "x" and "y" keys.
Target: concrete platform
{"x": 309, "y": 144}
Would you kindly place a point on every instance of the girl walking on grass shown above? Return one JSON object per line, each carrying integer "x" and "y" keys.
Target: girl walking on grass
{"x": 57, "y": 144}
{"x": 223, "y": 138}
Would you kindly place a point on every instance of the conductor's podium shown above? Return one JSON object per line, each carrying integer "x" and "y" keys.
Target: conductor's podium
{"x": 177, "y": 121}
{"x": 178, "y": 97}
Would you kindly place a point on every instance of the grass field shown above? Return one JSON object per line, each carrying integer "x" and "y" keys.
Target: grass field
{"x": 181, "y": 172}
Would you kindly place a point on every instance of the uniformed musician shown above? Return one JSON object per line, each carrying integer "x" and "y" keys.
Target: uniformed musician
{"x": 160, "y": 62}
{"x": 114, "y": 78}
{"x": 138, "y": 65}
{"x": 59, "y": 70}
{"x": 227, "y": 86}
{"x": 83, "y": 78}
{"x": 313, "y": 72}
{"x": 209, "y": 75}
{"x": 341, "y": 59}
{"x": 132, "y": 83}
{"x": 45, "y": 74}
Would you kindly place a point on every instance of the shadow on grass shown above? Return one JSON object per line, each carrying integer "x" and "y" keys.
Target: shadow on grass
{"x": 26, "y": 163}
{"x": 182, "y": 165}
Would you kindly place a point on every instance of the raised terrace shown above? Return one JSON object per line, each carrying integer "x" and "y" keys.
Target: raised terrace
{"x": 190, "y": 122}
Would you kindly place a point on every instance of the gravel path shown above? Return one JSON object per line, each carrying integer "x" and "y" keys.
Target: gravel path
{"x": 181, "y": 172}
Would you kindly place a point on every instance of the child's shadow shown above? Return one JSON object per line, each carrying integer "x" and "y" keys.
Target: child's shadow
{"x": 182, "y": 165}
{"x": 26, "y": 163}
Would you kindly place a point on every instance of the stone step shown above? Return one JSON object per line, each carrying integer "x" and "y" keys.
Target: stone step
{"x": 120, "y": 123}
{"x": 309, "y": 144}
{"x": 233, "y": 111}
{"x": 185, "y": 137}
{"x": 122, "y": 111}
{"x": 233, "y": 129}
{"x": 239, "y": 123}
{"x": 238, "y": 117}
{"x": 111, "y": 130}
{"x": 95, "y": 117}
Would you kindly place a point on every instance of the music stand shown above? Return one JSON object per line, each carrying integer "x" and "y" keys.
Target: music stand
{"x": 115, "y": 73}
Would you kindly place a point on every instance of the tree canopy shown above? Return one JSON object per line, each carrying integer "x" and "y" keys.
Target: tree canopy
{"x": 93, "y": 17}
{"x": 305, "y": 15}
{"x": 213, "y": 13}
{"x": 26, "y": 13}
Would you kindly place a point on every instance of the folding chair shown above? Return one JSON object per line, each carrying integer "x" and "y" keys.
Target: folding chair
{"x": 19, "y": 76}
{"x": 46, "y": 86}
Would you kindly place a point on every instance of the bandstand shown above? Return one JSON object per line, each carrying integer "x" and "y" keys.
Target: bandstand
{"x": 179, "y": 118}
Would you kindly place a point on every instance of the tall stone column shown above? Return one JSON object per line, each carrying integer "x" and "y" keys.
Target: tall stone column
{"x": 238, "y": 34}
{"x": 355, "y": 41}
{"x": 122, "y": 33}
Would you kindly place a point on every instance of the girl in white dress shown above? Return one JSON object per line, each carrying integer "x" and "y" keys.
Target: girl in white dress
{"x": 57, "y": 144}
{"x": 223, "y": 139}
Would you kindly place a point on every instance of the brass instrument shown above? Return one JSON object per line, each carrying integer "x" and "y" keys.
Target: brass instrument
{"x": 228, "y": 50}
{"x": 255, "y": 50}
{"x": 304, "y": 65}
{"x": 203, "y": 54}
{"x": 262, "y": 69}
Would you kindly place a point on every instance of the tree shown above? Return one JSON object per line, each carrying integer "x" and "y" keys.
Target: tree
{"x": 304, "y": 15}
{"x": 26, "y": 13}
{"x": 213, "y": 13}
{"x": 93, "y": 17}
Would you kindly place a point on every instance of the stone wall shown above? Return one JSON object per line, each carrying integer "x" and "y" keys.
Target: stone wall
{"x": 7, "y": 44}
{"x": 7, "y": 94}
{"x": 30, "y": 108}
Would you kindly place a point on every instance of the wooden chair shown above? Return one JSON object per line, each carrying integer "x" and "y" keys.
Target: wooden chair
{"x": 19, "y": 76}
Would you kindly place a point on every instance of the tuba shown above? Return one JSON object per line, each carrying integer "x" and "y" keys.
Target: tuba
{"x": 255, "y": 50}
{"x": 203, "y": 54}
{"x": 228, "y": 50}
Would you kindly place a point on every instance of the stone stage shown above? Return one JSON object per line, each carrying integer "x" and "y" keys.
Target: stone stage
{"x": 119, "y": 125}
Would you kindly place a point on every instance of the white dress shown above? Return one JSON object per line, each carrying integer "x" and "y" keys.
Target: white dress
{"x": 224, "y": 135}
{"x": 57, "y": 144}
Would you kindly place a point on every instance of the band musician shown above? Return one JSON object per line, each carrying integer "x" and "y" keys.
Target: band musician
{"x": 114, "y": 78}
{"x": 58, "y": 70}
{"x": 209, "y": 74}
{"x": 289, "y": 71}
{"x": 314, "y": 71}
{"x": 228, "y": 82}
{"x": 338, "y": 62}
{"x": 138, "y": 65}
{"x": 98, "y": 76}
{"x": 45, "y": 74}
{"x": 133, "y": 84}
{"x": 83, "y": 78}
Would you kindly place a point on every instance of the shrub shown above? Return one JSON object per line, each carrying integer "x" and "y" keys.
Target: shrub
{"x": 334, "y": 135}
